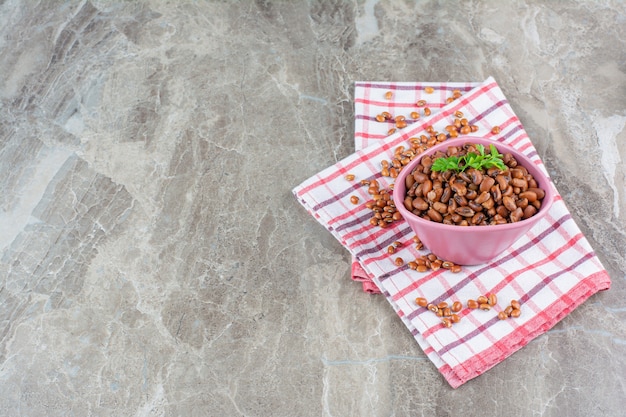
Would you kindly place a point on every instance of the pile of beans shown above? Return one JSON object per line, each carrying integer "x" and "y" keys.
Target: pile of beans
{"x": 450, "y": 313}
{"x": 472, "y": 197}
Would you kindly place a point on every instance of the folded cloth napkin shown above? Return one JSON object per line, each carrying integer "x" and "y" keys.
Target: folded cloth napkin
{"x": 551, "y": 270}
{"x": 370, "y": 101}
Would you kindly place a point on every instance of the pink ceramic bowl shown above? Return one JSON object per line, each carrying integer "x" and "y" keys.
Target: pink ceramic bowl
{"x": 470, "y": 245}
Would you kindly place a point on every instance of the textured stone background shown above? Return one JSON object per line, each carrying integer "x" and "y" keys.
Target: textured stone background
{"x": 153, "y": 261}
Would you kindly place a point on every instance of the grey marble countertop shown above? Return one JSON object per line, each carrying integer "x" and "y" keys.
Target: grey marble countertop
{"x": 154, "y": 261}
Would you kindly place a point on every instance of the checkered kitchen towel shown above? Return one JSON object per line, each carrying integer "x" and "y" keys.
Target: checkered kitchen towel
{"x": 551, "y": 270}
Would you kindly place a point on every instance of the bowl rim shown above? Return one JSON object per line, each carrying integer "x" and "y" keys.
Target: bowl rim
{"x": 399, "y": 192}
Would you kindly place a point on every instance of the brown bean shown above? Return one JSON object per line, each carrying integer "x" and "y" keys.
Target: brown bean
{"x": 419, "y": 203}
{"x": 539, "y": 192}
{"x": 519, "y": 182}
{"x": 472, "y": 304}
{"x": 516, "y": 313}
{"x": 427, "y": 185}
{"x": 465, "y": 177}
{"x": 441, "y": 207}
{"x": 482, "y": 299}
{"x": 509, "y": 203}
{"x": 421, "y": 301}
{"x": 446, "y": 322}
{"x": 457, "y": 306}
{"x": 484, "y": 196}
{"x": 474, "y": 206}
{"x": 476, "y": 175}
{"x": 408, "y": 203}
{"x": 455, "y": 269}
{"x": 502, "y": 315}
{"x": 516, "y": 215}
{"x": 477, "y": 218}
{"x": 455, "y": 318}
{"x": 508, "y": 310}
{"x": 460, "y": 200}
{"x": 419, "y": 176}
{"x": 442, "y": 305}
{"x": 465, "y": 211}
{"x": 522, "y": 203}
{"x": 496, "y": 193}
{"x": 516, "y": 304}
{"x": 529, "y": 195}
{"x": 388, "y": 95}
{"x": 434, "y": 215}
{"x": 432, "y": 307}
{"x": 354, "y": 199}
{"x": 492, "y": 299}
{"x": 529, "y": 211}
{"x": 422, "y": 268}
{"x": 486, "y": 184}
{"x": 502, "y": 181}
{"x": 399, "y": 261}
{"x": 431, "y": 196}
{"x": 458, "y": 188}
{"x": 484, "y": 306}
{"x": 445, "y": 195}
{"x": 516, "y": 173}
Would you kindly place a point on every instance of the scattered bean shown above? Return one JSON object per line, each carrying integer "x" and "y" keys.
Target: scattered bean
{"x": 429, "y": 90}
{"x": 349, "y": 177}
{"x": 388, "y": 95}
{"x": 354, "y": 199}
{"x": 421, "y": 301}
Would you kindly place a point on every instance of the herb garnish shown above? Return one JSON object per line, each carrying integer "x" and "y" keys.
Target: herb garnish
{"x": 470, "y": 160}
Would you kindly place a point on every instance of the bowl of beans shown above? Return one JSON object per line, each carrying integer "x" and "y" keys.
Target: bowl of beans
{"x": 469, "y": 199}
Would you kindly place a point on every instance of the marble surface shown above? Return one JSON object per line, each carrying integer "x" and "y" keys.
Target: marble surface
{"x": 153, "y": 261}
